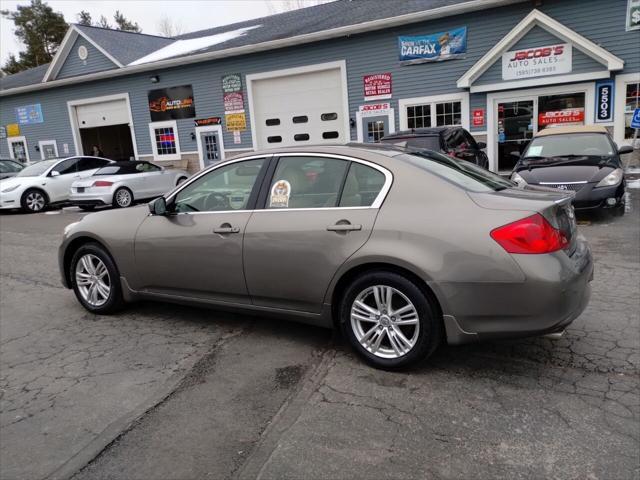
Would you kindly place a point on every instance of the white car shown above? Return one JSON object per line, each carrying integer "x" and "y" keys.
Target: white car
{"x": 122, "y": 183}
{"x": 46, "y": 183}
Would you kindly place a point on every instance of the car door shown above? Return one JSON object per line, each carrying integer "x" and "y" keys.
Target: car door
{"x": 157, "y": 181}
{"x": 196, "y": 249}
{"x": 60, "y": 178}
{"x": 317, "y": 210}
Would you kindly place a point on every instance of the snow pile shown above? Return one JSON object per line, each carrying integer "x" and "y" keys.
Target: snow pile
{"x": 182, "y": 47}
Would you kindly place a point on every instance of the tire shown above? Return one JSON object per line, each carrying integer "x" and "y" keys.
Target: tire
{"x": 102, "y": 303}
{"x": 122, "y": 198}
{"x": 34, "y": 200}
{"x": 180, "y": 180}
{"x": 416, "y": 346}
{"x": 87, "y": 208}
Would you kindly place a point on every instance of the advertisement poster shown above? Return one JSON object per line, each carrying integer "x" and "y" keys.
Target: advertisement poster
{"x": 377, "y": 87}
{"x": 13, "y": 130}
{"x": 236, "y": 122}
{"x": 604, "y": 101}
{"x": 477, "y": 118}
{"x": 171, "y": 103}
{"x": 231, "y": 83}
{"x": 537, "y": 62}
{"x": 233, "y": 102}
{"x": 203, "y": 122}
{"x": 433, "y": 48}
{"x": 568, "y": 115}
{"x": 28, "y": 114}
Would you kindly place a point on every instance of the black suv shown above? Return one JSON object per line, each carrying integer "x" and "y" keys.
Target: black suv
{"x": 454, "y": 141}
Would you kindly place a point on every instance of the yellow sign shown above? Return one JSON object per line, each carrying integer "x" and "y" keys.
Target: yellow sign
{"x": 236, "y": 122}
{"x": 13, "y": 130}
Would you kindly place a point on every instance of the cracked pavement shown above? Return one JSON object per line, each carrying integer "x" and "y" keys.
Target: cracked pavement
{"x": 164, "y": 391}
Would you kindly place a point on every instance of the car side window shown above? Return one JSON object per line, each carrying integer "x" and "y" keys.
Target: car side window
{"x": 67, "y": 166}
{"x": 362, "y": 186}
{"x": 225, "y": 188}
{"x": 147, "y": 167}
{"x": 306, "y": 182}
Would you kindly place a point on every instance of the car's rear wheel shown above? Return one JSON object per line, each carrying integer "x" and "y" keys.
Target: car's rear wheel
{"x": 389, "y": 320}
{"x": 34, "y": 200}
{"x": 122, "y": 198}
{"x": 95, "y": 279}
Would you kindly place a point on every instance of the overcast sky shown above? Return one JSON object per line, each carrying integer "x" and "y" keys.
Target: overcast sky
{"x": 190, "y": 14}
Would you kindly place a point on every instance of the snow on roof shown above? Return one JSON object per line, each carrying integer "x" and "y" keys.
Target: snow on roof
{"x": 182, "y": 47}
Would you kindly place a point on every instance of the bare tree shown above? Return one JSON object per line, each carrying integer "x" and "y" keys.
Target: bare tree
{"x": 168, "y": 27}
{"x": 281, "y": 6}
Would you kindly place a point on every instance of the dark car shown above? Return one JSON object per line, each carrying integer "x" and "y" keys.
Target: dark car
{"x": 582, "y": 159}
{"x": 9, "y": 167}
{"x": 454, "y": 141}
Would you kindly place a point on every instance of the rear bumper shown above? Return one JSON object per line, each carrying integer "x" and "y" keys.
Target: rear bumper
{"x": 91, "y": 199}
{"x": 555, "y": 292}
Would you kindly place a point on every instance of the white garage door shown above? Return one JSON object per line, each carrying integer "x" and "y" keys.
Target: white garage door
{"x": 302, "y": 109}
{"x": 102, "y": 114}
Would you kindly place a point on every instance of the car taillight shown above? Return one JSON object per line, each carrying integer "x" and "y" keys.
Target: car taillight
{"x": 102, "y": 183}
{"x": 533, "y": 234}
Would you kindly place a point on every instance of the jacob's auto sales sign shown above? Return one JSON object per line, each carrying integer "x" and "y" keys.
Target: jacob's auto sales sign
{"x": 537, "y": 62}
{"x": 568, "y": 115}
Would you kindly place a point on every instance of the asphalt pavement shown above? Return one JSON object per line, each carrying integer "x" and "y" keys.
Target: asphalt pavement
{"x": 165, "y": 391}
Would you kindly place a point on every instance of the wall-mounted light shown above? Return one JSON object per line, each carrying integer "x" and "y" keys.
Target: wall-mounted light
{"x": 352, "y": 122}
{"x": 37, "y": 147}
{"x": 154, "y": 79}
{"x": 193, "y": 136}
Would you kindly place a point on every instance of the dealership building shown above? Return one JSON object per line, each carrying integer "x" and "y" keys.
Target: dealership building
{"x": 349, "y": 70}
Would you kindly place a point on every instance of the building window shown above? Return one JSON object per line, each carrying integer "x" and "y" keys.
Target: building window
{"x": 375, "y": 130}
{"x": 632, "y": 101}
{"x": 419, "y": 116}
{"x": 165, "y": 141}
{"x": 448, "y": 114}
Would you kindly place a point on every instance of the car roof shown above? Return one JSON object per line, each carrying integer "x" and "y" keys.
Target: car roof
{"x": 348, "y": 149}
{"x": 420, "y": 132}
{"x": 572, "y": 129}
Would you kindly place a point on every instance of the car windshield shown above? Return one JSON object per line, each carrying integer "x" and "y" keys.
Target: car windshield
{"x": 9, "y": 166}
{"x": 570, "y": 145}
{"x": 37, "y": 168}
{"x": 428, "y": 143}
{"x": 464, "y": 174}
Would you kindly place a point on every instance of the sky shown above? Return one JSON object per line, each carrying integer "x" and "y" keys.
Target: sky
{"x": 192, "y": 15}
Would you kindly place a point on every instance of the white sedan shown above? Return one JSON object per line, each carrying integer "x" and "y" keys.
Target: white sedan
{"x": 121, "y": 183}
{"x": 46, "y": 183}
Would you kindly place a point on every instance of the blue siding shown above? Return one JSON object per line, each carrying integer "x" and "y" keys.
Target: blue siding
{"x": 376, "y": 52}
{"x": 96, "y": 61}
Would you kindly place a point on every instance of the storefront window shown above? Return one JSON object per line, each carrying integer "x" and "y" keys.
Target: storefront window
{"x": 566, "y": 109}
{"x": 632, "y": 101}
{"x": 448, "y": 114}
{"x": 165, "y": 141}
{"x": 419, "y": 116}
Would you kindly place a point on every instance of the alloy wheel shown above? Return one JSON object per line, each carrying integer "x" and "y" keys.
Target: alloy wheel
{"x": 92, "y": 278}
{"x": 123, "y": 198}
{"x": 35, "y": 201}
{"x": 385, "y": 322}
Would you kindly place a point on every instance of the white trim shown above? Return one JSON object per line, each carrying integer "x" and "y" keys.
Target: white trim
{"x": 42, "y": 143}
{"x": 152, "y": 137}
{"x": 75, "y": 128}
{"x": 17, "y": 139}
{"x": 537, "y": 18}
{"x": 532, "y": 94}
{"x": 391, "y": 118}
{"x": 534, "y": 82}
{"x": 340, "y": 32}
{"x": 619, "y": 103}
{"x": 209, "y": 128}
{"x": 462, "y": 97}
{"x": 316, "y": 67}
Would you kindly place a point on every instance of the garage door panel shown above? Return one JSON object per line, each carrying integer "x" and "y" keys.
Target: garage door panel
{"x": 102, "y": 114}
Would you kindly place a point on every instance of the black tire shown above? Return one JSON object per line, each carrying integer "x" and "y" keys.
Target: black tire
{"x": 431, "y": 328}
{"x": 180, "y": 180}
{"x": 87, "y": 208}
{"x": 115, "y": 300}
{"x": 119, "y": 195}
{"x": 32, "y": 199}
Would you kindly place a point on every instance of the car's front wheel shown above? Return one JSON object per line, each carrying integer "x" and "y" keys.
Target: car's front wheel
{"x": 33, "y": 200}
{"x": 95, "y": 279}
{"x": 122, "y": 198}
{"x": 389, "y": 320}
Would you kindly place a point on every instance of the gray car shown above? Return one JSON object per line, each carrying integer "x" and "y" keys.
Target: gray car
{"x": 400, "y": 249}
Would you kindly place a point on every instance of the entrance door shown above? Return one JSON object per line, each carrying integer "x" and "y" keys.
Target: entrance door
{"x": 374, "y": 128}
{"x": 18, "y": 149}
{"x": 210, "y": 147}
{"x": 515, "y": 130}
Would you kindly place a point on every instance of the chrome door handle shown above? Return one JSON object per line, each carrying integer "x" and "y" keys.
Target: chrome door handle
{"x": 228, "y": 229}
{"x": 345, "y": 227}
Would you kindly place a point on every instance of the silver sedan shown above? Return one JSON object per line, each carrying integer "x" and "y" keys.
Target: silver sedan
{"x": 123, "y": 183}
{"x": 399, "y": 249}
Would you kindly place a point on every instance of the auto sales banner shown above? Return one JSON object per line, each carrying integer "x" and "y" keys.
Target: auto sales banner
{"x": 568, "y": 115}
{"x": 171, "y": 103}
{"x": 537, "y": 62}
{"x": 433, "y": 48}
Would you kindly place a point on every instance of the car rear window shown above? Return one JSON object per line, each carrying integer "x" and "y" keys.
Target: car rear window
{"x": 462, "y": 173}
{"x": 119, "y": 170}
{"x": 420, "y": 143}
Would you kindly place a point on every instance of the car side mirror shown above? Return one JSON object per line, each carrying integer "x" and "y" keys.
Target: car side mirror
{"x": 54, "y": 173}
{"x": 481, "y": 145}
{"x": 624, "y": 149}
{"x": 158, "y": 206}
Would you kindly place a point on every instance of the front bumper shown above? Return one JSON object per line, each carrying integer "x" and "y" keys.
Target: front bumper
{"x": 10, "y": 200}
{"x": 591, "y": 197}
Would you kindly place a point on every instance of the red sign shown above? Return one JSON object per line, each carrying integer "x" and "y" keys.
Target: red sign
{"x": 568, "y": 115}
{"x": 377, "y": 87}
{"x": 202, "y": 122}
{"x": 478, "y": 117}
{"x": 375, "y": 107}
{"x": 233, "y": 102}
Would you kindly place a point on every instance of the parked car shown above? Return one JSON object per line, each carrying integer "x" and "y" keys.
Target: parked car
{"x": 454, "y": 141}
{"x": 581, "y": 159}
{"x": 9, "y": 168}
{"x": 122, "y": 183}
{"x": 339, "y": 235}
{"x": 46, "y": 183}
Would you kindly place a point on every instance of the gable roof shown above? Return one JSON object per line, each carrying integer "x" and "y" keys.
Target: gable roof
{"x": 533, "y": 19}
{"x": 330, "y": 20}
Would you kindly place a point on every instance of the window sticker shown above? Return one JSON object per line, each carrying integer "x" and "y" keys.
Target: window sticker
{"x": 535, "y": 150}
{"x": 280, "y": 193}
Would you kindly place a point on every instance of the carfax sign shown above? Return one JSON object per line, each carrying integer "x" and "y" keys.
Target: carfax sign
{"x": 433, "y": 48}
